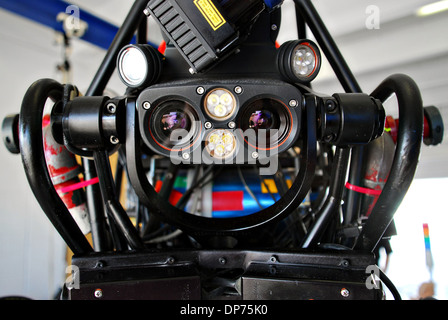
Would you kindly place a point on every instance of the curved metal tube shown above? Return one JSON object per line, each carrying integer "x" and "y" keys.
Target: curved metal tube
{"x": 410, "y": 134}
{"x": 33, "y": 158}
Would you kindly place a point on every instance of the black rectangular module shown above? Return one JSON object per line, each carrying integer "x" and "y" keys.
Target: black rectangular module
{"x": 198, "y": 29}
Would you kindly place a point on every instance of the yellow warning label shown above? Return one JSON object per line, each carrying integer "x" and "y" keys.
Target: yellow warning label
{"x": 210, "y": 13}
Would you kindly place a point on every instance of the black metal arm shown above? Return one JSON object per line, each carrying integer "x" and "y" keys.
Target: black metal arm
{"x": 409, "y": 140}
{"x": 33, "y": 157}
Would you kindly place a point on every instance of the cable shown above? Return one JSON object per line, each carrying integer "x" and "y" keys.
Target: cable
{"x": 247, "y": 187}
{"x": 257, "y": 171}
{"x": 389, "y": 285}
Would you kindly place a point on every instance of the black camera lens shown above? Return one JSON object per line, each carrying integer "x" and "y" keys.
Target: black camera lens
{"x": 265, "y": 123}
{"x": 261, "y": 119}
{"x": 174, "y": 123}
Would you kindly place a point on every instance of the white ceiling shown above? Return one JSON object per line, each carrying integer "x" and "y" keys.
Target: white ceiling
{"x": 403, "y": 43}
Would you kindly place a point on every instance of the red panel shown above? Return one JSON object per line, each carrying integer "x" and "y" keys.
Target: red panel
{"x": 228, "y": 201}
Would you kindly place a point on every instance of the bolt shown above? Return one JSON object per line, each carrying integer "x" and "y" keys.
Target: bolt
{"x": 170, "y": 260}
{"x": 273, "y": 259}
{"x": 222, "y": 260}
{"x": 99, "y": 264}
{"x": 200, "y": 90}
{"x": 146, "y": 105}
{"x": 329, "y": 137}
{"x": 330, "y": 105}
{"x": 293, "y": 103}
{"x": 111, "y": 108}
{"x": 345, "y": 263}
{"x": 146, "y": 12}
{"x": 231, "y": 125}
{"x": 98, "y": 293}
{"x": 114, "y": 140}
{"x": 238, "y": 90}
{"x": 207, "y": 125}
{"x": 186, "y": 156}
{"x": 274, "y": 27}
{"x": 345, "y": 293}
{"x": 255, "y": 155}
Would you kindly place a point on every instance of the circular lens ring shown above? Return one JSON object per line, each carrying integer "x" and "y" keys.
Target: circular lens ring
{"x": 190, "y": 120}
{"x": 282, "y": 119}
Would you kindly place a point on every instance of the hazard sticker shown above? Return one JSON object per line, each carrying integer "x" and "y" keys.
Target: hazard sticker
{"x": 210, "y": 13}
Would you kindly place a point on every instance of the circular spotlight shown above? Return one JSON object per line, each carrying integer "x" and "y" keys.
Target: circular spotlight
{"x": 270, "y": 121}
{"x": 220, "y": 104}
{"x": 299, "y": 61}
{"x": 139, "y": 65}
{"x": 220, "y": 144}
{"x": 174, "y": 125}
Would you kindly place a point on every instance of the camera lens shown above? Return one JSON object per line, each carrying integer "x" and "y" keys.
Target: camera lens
{"x": 261, "y": 119}
{"x": 173, "y": 125}
{"x": 265, "y": 123}
{"x": 173, "y": 121}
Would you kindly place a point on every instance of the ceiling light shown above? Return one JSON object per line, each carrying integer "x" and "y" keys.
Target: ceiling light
{"x": 433, "y": 8}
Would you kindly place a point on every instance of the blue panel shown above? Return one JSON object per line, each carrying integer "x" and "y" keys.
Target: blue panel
{"x": 100, "y": 33}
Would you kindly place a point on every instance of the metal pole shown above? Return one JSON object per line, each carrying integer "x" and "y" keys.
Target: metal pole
{"x": 96, "y": 88}
{"x": 333, "y": 201}
{"x": 123, "y": 37}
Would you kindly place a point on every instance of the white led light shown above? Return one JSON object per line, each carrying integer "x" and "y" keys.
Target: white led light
{"x": 304, "y": 61}
{"x": 220, "y": 104}
{"x": 133, "y": 66}
{"x": 220, "y": 143}
{"x": 299, "y": 61}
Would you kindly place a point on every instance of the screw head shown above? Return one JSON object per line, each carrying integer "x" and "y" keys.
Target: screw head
{"x": 345, "y": 292}
{"x": 98, "y": 293}
{"x": 293, "y": 103}
{"x": 207, "y": 125}
{"x": 238, "y": 89}
{"x": 170, "y": 260}
{"x": 186, "y": 156}
{"x": 200, "y": 90}
{"x": 255, "y": 155}
{"x": 111, "y": 108}
{"x": 114, "y": 140}
{"x": 146, "y": 105}
{"x": 231, "y": 125}
{"x": 330, "y": 105}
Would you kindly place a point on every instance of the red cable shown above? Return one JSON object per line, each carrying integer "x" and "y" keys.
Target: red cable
{"x": 371, "y": 192}
{"x": 79, "y": 185}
